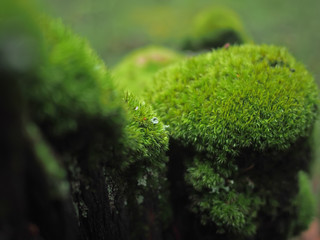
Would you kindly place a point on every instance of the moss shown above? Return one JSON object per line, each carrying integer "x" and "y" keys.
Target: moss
{"x": 72, "y": 99}
{"x": 145, "y": 136}
{"x": 135, "y": 71}
{"x": 247, "y": 113}
{"x": 142, "y": 175}
{"x": 246, "y": 96}
{"x": 214, "y": 27}
{"x": 305, "y": 203}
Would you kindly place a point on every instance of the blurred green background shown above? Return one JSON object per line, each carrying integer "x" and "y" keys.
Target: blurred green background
{"x": 114, "y": 28}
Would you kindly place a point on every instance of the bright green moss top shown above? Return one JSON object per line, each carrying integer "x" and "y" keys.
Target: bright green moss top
{"x": 135, "y": 72}
{"x": 240, "y": 97}
{"x": 216, "y": 26}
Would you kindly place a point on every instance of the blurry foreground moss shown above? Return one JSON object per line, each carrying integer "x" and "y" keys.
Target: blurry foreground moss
{"x": 215, "y": 27}
{"x": 135, "y": 72}
{"x": 245, "y": 115}
{"x": 305, "y": 202}
{"x": 33, "y": 184}
{"x": 73, "y": 97}
{"x": 113, "y": 147}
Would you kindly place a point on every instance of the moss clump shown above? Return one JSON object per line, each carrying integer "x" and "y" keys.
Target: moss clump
{"x": 246, "y": 113}
{"x": 142, "y": 175}
{"x": 73, "y": 97}
{"x": 215, "y": 27}
{"x": 135, "y": 72}
{"x": 72, "y": 100}
{"x": 145, "y": 136}
{"x": 246, "y": 96}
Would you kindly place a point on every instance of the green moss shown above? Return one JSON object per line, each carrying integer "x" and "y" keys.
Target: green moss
{"x": 73, "y": 94}
{"x": 143, "y": 171}
{"x": 214, "y": 27}
{"x": 135, "y": 72}
{"x": 305, "y": 203}
{"x": 246, "y": 96}
{"x": 223, "y": 198}
{"x": 247, "y": 113}
{"x": 145, "y": 135}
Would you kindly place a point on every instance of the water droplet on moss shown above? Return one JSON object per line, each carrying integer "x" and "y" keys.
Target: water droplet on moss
{"x": 155, "y": 120}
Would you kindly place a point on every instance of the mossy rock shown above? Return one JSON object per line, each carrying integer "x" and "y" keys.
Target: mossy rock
{"x": 135, "y": 72}
{"x": 215, "y": 27}
{"x": 245, "y": 113}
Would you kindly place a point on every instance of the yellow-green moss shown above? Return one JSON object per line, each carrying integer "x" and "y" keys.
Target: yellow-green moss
{"x": 135, "y": 72}
{"x": 244, "y": 96}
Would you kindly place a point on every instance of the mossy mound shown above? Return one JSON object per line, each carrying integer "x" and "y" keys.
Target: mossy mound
{"x": 245, "y": 113}
{"x": 246, "y": 96}
{"x": 73, "y": 95}
{"x": 135, "y": 72}
{"x": 215, "y": 27}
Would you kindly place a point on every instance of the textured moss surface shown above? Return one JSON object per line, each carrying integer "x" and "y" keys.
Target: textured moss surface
{"x": 146, "y": 137}
{"x": 246, "y": 96}
{"x": 215, "y": 27}
{"x": 135, "y": 72}
{"x": 246, "y": 112}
